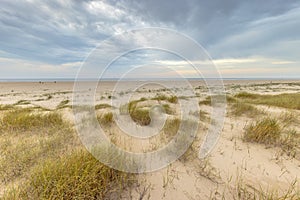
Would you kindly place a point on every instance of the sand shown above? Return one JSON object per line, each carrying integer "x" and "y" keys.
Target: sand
{"x": 231, "y": 162}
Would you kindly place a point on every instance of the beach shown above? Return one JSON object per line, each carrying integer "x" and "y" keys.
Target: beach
{"x": 241, "y": 165}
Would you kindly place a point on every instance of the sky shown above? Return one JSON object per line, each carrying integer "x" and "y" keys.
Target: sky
{"x": 244, "y": 39}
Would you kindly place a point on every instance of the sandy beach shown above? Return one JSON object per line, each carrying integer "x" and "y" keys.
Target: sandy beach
{"x": 237, "y": 167}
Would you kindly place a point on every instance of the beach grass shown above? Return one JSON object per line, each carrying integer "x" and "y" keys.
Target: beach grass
{"x": 266, "y": 131}
{"x": 21, "y": 120}
{"x": 106, "y": 119}
{"x": 41, "y": 158}
{"x": 239, "y": 108}
{"x": 27, "y": 138}
{"x": 102, "y": 106}
{"x": 290, "y": 101}
{"x": 75, "y": 175}
{"x": 63, "y": 104}
{"x": 270, "y": 131}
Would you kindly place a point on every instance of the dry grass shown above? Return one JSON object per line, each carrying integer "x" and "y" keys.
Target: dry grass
{"x": 22, "y": 102}
{"x": 288, "y": 118}
{"x": 40, "y": 161}
{"x": 102, "y": 106}
{"x": 27, "y": 138}
{"x": 289, "y": 143}
{"x": 217, "y": 98}
{"x": 140, "y": 115}
{"x": 6, "y": 107}
{"x": 21, "y": 120}
{"x": 78, "y": 175}
{"x": 266, "y": 131}
{"x": 171, "y": 126}
{"x": 106, "y": 119}
{"x": 244, "y": 191}
{"x": 170, "y": 99}
{"x": 240, "y": 108}
{"x": 290, "y": 101}
{"x": 63, "y": 104}
{"x": 168, "y": 110}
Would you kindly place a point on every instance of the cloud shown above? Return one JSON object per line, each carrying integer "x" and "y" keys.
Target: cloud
{"x": 56, "y": 33}
{"x": 33, "y": 69}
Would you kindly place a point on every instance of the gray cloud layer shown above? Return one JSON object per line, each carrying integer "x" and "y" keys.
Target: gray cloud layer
{"x": 59, "y": 32}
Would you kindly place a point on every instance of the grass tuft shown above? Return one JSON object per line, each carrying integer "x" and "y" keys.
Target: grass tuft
{"x": 63, "y": 104}
{"x": 107, "y": 118}
{"x": 266, "y": 131}
{"x": 170, "y": 99}
{"x": 141, "y": 116}
{"x": 102, "y": 106}
{"x": 22, "y": 102}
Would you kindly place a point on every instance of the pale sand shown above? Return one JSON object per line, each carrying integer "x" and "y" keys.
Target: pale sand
{"x": 231, "y": 160}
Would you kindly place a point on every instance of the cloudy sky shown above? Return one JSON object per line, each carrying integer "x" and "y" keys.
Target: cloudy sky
{"x": 51, "y": 38}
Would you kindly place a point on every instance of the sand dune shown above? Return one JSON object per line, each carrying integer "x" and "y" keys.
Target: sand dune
{"x": 237, "y": 168}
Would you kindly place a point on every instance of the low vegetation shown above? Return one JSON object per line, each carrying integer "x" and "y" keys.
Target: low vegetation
{"x": 239, "y": 108}
{"x": 21, "y": 120}
{"x": 288, "y": 118}
{"x": 77, "y": 174}
{"x": 266, "y": 131}
{"x": 22, "y": 102}
{"x": 171, "y": 126}
{"x": 269, "y": 131}
{"x": 106, "y": 118}
{"x": 290, "y": 101}
{"x": 141, "y": 114}
{"x": 41, "y": 158}
{"x": 6, "y": 107}
{"x": 217, "y": 99}
{"x": 170, "y": 99}
{"x": 242, "y": 190}
{"x": 63, "y": 104}
{"x": 27, "y": 138}
{"x": 102, "y": 106}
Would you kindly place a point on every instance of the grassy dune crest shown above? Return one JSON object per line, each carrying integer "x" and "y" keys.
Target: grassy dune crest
{"x": 291, "y": 101}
